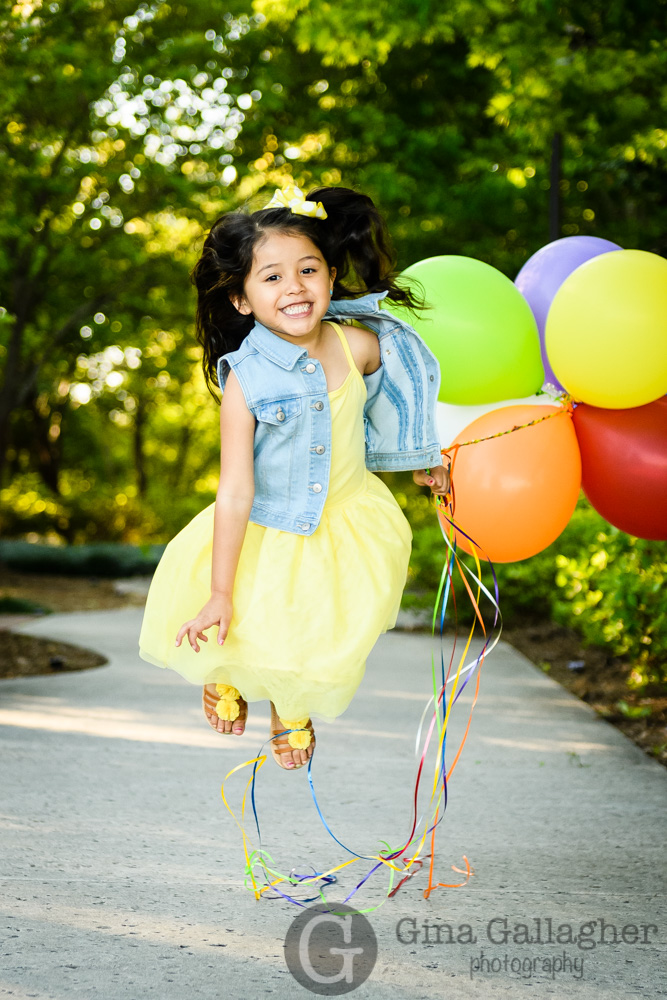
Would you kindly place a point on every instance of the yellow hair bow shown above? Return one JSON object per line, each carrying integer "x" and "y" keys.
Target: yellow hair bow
{"x": 294, "y": 199}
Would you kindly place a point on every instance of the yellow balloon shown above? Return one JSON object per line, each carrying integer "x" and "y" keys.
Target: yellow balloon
{"x": 606, "y": 331}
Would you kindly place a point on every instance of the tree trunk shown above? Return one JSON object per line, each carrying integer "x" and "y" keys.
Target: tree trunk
{"x": 554, "y": 189}
{"x": 9, "y": 390}
{"x": 20, "y": 380}
{"x": 139, "y": 462}
{"x": 181, "y": 459}
{"x": 47, "y": 451}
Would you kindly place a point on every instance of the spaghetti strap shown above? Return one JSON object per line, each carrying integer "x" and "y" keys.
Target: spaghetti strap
{"x": 346, "y": 347}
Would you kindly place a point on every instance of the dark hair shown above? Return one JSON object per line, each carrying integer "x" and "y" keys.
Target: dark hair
{"x": 353, "y": 239}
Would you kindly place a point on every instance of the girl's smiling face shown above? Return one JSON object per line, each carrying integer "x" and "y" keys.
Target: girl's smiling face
{"x": 289, "y": 285}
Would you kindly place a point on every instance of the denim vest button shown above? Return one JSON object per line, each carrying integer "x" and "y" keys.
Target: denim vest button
{"x": 310, "y": 368}
{"x": 305, "y": 526}
{"x": 317, "y": 488}
{"x": 280, "y": 415}
{"x": 320, "y": 449}
{"x": 319, "y": 405}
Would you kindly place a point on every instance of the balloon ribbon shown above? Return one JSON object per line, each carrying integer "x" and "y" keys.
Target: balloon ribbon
{"x": 405, "y": 860}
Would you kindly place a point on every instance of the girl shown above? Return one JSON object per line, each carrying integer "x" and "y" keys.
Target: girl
{"x": 301, "y": 560}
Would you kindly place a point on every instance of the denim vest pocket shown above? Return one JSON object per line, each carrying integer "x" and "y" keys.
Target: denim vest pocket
{"x": 277, "y": 437}
{"x": 278, "y": 411}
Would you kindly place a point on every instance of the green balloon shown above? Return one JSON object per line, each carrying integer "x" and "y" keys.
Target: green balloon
{"x": 480, "y": 328}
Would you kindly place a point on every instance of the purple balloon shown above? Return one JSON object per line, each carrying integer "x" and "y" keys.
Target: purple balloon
{"x": 542, "y": 275}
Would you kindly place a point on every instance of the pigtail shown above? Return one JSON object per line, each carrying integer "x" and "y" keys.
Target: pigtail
{"x": 358, "y": 245}
{"x": 218, "y": 274}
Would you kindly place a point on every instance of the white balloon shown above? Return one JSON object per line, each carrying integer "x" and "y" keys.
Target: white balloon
{"x": 453, "y": 419}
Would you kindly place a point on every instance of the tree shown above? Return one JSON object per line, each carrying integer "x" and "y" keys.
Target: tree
{"x": 96, "y": 218}
{"x": 129, "y": 128}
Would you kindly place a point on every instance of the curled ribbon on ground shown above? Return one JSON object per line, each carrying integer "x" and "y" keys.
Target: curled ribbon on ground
{"x": 293, "y": 198}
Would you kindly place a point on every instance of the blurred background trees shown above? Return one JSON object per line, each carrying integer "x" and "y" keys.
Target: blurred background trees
{"x": 126, "y": 129}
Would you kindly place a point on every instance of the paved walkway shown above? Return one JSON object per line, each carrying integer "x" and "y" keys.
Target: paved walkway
{"x": 123, "y": 870}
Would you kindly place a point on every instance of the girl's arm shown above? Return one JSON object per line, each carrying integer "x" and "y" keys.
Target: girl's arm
{"x": 365, "y": 348}
{"x": 366, "y": 352}
{"x": 236, "y": 490}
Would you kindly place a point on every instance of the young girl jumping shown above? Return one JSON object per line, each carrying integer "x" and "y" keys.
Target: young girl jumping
{"x": 301, "y": 560}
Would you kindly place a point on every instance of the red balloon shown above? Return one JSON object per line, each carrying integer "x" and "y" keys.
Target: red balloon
{"x": 624, "y": 465}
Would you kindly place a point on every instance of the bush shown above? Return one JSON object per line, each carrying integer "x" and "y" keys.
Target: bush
{"x": 525, "y": 587}
{"x": 101, "y": 560}
{"x": 10, "y": 605}
{"x": 609, "y": 586}
{"x": 615, "y": 593}
{"x": 101, "y": 512}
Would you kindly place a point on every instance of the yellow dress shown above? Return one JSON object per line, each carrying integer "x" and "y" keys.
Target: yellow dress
{"x": 307, "y": 610}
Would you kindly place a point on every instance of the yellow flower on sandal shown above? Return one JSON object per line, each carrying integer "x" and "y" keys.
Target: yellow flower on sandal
{"x": 228, "y": 707}
{"x": 300, "y": 740}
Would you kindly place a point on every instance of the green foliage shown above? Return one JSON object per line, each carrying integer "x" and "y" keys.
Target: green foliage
{"x": 111, "y": 512}
{"x": 469, "y": 97}
{"x": 609, "y": 586}
{"x": 633, "y": 711}
{"x": 614, "y": 590}
{"x": 21, "y": 606}
{"x": 126, "y": 129}
{"x": 99, "y": 217}
{"x": 105, "y": 560}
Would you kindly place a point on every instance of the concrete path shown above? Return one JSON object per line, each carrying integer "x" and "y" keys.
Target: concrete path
{"x": 122, "y": 869}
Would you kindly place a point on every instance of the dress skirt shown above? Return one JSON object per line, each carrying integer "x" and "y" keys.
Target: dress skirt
{"x": 307, "y": 610}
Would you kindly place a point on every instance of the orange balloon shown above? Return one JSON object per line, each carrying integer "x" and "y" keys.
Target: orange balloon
{"x": 516, "y": 493}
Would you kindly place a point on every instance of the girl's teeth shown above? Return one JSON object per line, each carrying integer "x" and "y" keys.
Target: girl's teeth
{"x": 296, "y": 310}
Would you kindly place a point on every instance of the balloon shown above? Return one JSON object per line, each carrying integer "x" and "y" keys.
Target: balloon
{"x": 516, "y": 493}
{"x": 542, "y": 275}
{"x": 479, "y": 327}
{"x": 624, "y": 465}
{"x": 451, "y": 419}
{"x": 606, "y": 333}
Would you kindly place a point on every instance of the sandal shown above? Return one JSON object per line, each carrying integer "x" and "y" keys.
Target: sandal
{"x": 301, "y": 738}
{"x": 228, "y": 706}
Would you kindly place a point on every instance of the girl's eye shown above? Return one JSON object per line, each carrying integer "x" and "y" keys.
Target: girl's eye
{"x": 304, "y": 270}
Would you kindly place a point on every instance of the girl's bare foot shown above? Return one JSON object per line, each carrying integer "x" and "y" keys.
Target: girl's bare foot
{"x": 294, "y": 754}
{"x": 225, "y": 709}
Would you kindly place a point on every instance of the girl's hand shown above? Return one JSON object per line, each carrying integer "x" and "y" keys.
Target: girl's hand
{"x": 437, "y": 479}
{"x": 216, "y": 611}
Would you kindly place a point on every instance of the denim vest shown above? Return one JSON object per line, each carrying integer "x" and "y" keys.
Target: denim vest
{"x": 286, "y": 390}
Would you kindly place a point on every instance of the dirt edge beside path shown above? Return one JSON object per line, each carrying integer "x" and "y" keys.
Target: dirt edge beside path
{"x": 599, "y": 679}
{"x": 587, "y": 672}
